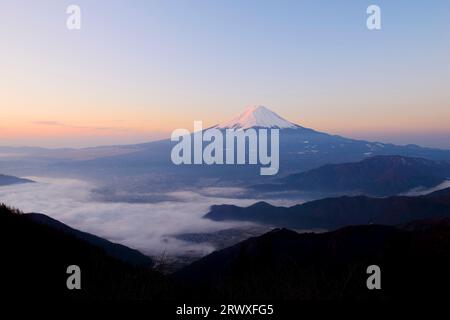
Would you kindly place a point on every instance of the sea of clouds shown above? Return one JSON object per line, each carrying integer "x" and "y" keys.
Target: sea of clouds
{"x": 148, "y": 227}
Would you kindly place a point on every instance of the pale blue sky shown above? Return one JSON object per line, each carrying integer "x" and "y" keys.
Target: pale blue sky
{"x": 143, "y": 68}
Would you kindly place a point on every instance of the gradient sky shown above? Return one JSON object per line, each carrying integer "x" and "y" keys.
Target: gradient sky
{"x": 139, "y": 69}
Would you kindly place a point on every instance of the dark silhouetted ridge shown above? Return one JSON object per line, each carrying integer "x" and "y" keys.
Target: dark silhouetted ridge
{"x": 376, "y": 176}
{"x": 285, "y": 265}
{"x": 332, "y": 213}
{"x": 35, "y": 256}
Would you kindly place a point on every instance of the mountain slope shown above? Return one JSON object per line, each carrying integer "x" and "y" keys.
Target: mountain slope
{"x": 284, "y": 265}
{"x": 115, "y": 250}
{"x": 376, "y": 176}
{"x": 35, "y": 257}
{"x": 332, "y": 213}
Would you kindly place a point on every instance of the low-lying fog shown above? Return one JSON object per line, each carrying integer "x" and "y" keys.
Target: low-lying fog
{"x": 147, "y": 227}
{"x": 422, "y": 191}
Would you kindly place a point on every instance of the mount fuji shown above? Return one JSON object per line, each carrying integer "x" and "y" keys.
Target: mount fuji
{"x": 301, "y": 149}
{"x": 257, "y": 117}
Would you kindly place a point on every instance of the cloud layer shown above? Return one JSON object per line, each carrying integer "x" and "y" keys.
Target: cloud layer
{"x": 147, "y": 227}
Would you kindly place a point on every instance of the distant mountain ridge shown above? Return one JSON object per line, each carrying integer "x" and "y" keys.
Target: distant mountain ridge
{"x": 375, "y": 176}
{"x": 332, "y": 213}
{"x": 7, "y": 180}
{"x": 300, "y": 149}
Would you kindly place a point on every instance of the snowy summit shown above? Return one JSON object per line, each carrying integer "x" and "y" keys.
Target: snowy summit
{"x": 257, "y": 116}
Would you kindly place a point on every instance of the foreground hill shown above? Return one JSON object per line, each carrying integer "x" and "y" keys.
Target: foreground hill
{"x": 332, "y": 213}
{"x": 376, "y": 176}
{"x": 115, "y": 250}
{"x": 36, "y": 253}
{"x": 285, "y": 265}
{"x": 277, "y": 266}
{"x": 7, "y": 180}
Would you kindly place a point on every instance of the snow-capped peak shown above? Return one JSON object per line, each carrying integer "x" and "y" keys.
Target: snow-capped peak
{"x": 257, "y": 116}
